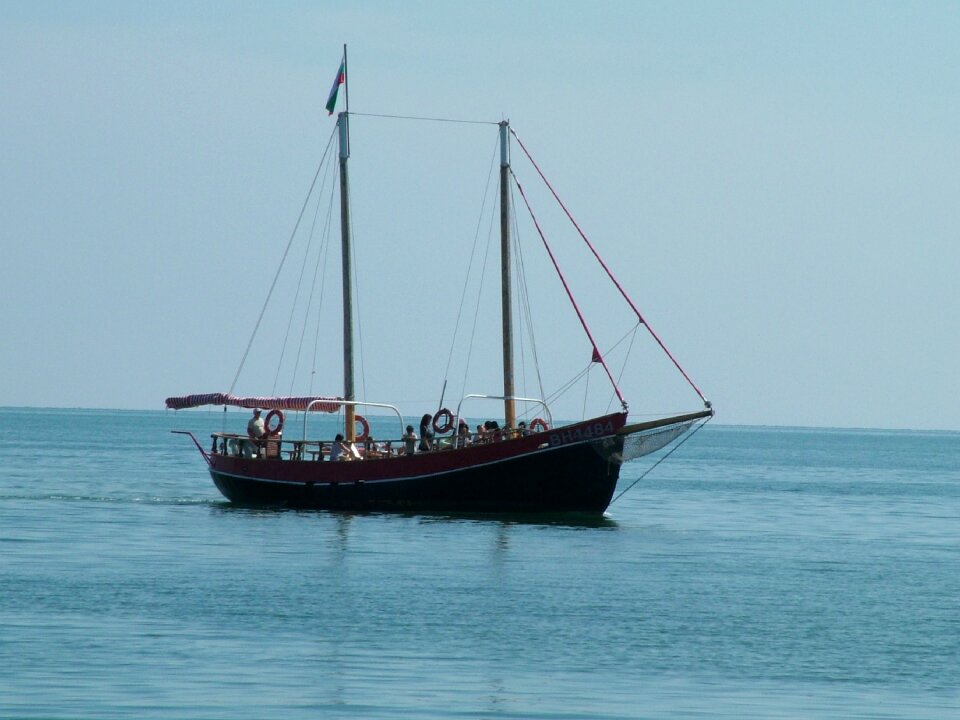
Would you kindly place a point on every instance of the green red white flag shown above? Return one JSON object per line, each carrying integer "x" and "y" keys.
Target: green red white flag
{"x": 338, "y": 81}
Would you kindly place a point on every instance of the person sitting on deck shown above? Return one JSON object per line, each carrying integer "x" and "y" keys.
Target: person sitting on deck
{"x": 522, "y": 429}
{"x": 463, "y": 433}
{"x": 409, "y": 441}
{"x": 492, "y": 431}
{"x": 339, "y": 449}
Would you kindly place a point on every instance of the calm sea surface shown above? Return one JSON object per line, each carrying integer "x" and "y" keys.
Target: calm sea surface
{"x": 757, "y": 573}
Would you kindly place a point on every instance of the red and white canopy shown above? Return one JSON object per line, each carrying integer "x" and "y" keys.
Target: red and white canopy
{"x": 328, "y": 404}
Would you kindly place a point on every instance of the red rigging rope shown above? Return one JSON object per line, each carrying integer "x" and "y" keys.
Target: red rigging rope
{"x": 606, "y": 269}
{"x": 597, "y": 356}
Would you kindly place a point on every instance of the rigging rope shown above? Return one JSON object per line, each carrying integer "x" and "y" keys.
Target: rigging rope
{"x": 525, "y": 301}
{"x": 286, "y": 251}
{"x": 426, "y": 119}
{"x": 466, "y": 282}
{"x": 321, "y": 262}
{"x": 607, "y": 269}
{"x": 586, "y": 392}
{"x": 476, "y": 311}
{"x": 356, "y": 304}
{"x": 296, "y": 297}
{"x": 566, "y": 287}
{"x": 321, "y": 254}
{"x": 668, "y": 454}
{"x": 576, "y": 378}
{"x": 633, "y": 336}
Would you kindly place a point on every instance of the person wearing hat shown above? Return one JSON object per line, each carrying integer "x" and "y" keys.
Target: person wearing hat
{"x": 255, "y": 428}
{"x": 255, "y": 431}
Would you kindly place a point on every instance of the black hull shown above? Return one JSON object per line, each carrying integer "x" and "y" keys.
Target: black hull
{"x": 577, "y": 478}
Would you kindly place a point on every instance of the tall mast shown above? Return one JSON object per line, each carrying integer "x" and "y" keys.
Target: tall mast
{"x": 509, "y": 407}
{"x": 348, "y": 391}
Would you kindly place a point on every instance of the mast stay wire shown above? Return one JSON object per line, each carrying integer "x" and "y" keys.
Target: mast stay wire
{"x": 473, "y": 254}
{"x": 321, "y": 263}
{"x": 283, "y": 259}
{"x": 670, "y": 452}
{"x": 566, "y": 287}
{"x": 521, "y": 301}
{"x": 576, "y": 378}
{"x": 356, "y": 303}
{"x": 476, "y": 311}
{"x": 524, "y": 292}
{"x": 296, "y": 295}
{"x": 426, "y": 119}
{"x": 322, "y": 251}
{"x": 607, "y": 269}
{"x": 633, "y": 336}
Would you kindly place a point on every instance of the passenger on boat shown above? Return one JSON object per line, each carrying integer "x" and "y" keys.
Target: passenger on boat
{"x": 481, "y": 434}
{"x": 409, "y": 441}
{"x": 255, "y": 428}
{"x": 463, "y": 433}
{"x": 522, "y": 429}
{"x": 492, "y": 431}
{"x": 255, "y": 431}
{"x": 339, "y": 449}
{"x": 426, "y": 433}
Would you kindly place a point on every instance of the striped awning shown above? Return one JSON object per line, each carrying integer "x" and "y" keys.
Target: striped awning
{"x": 328, "y": 404}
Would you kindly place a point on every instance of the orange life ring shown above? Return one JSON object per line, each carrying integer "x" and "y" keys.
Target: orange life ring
{"x": 538, "y": 425}
{"x": 365, "y": 431}
{"x": 266, "y": 422}
{"x": 447, "y": 425}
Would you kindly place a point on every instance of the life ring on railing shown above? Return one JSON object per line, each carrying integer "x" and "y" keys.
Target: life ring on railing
{"x": 446, "y": 425}
{"x": 365, "y": 428}
{"x": 267, "y": 430}
{"x": 538, "y": 425}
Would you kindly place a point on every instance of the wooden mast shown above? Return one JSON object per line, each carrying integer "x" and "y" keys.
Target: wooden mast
{"x": 509, "y": 406}
{"x": 348, "y": 386}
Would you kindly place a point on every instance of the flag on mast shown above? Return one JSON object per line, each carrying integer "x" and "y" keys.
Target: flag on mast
{"x": 338, "y": 81}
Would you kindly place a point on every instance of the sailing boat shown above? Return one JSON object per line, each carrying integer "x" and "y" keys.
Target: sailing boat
{"x": 513, "y": 468}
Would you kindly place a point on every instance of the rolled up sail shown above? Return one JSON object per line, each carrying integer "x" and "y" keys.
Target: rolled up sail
{"x": 315, "y": 403}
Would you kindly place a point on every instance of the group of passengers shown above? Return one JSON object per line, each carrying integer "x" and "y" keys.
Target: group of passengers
{"x": 340, "y": 450}
{"x": 426, "y": 441}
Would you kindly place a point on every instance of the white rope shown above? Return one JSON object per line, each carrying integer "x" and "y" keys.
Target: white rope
{"x": 286, "y": 251}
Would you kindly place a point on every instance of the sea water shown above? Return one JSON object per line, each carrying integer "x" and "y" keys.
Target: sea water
{"x": 757, "y": 573}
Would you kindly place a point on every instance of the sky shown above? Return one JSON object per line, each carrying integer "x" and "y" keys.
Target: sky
{"x": 774, "y": 184}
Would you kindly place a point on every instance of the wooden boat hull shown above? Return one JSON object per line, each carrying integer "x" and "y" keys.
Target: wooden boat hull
{"x": 573, "y": 469}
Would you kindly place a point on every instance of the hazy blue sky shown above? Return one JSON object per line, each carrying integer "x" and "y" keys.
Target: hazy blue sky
{"x": 777, "y": 185}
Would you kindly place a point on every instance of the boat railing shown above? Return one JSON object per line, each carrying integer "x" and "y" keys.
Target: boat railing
{"x": 274, "y": 447}
{"x": 353, "y": 403}
{"x": 277, "y": 447}
{"x": 516, "y": 398}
